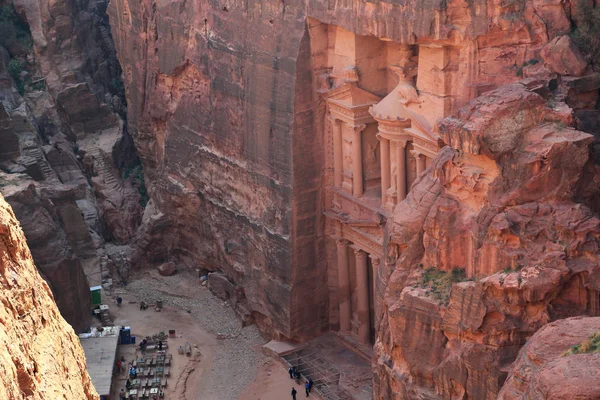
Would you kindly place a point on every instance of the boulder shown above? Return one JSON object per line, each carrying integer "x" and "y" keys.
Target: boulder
{"x": 545, "y": 370}
{"x": 167, "y": 269}
{"x": 221, "y": 287}
{"x": 563, "y": 56}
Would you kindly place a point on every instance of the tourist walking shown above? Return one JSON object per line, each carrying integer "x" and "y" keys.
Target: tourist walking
{"x": 307, "y": 388}
{"x": 310, "y": 384}
{"x": 294, "y": 394}
{"x": 291, "y": 372}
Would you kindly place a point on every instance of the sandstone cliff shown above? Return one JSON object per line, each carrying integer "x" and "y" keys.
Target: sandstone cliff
{"x": 226, "y": 109}
{"x": 66, "y": 159}
{"x": 41, "y": 357}
{"x": 493, "y": 243}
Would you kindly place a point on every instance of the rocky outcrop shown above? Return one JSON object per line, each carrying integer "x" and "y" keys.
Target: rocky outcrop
{"x": 41, "y": 356}
{"x": 498, "y": 203}
{"x": 61, "y": 117}
{"x": 546, "y": 369}
{"x": 563, "y": 56}
{"x": 59, "y": 239}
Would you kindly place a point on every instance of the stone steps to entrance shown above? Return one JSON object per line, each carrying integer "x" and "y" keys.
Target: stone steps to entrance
{"x": 338, "y": 371}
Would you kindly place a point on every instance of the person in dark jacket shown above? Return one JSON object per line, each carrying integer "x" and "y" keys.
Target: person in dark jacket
{"x": 310, "y": 384}
{"x": 291, "y": 372}
{"x": 294, "y": 393}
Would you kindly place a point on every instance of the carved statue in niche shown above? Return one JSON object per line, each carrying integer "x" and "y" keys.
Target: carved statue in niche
{"x": 371, "y": 160}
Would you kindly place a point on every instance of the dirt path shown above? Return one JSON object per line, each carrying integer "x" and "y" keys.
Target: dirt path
{"x": 230, "y": 369}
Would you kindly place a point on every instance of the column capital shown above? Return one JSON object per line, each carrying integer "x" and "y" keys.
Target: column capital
{"x": 341, "y": 242}
{"x": 360, "y": 253}
{"x": 333, "y": 119}
{"x": 416, "y": 154}
{"x": 359, "y": 128}
{"x": 399, "y": 143}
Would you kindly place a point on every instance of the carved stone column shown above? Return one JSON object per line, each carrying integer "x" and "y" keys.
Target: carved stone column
{"x": 401, "y": 176}
{"x": 375, "y": 262}
{"x": 420, "y": 162}
{"x": 357, "y": 169}
{"x": 362, "y": 289}
{"x": 343, "y": 285}
{"x": 385, "y": 168}
{"x": 338, "y": 155}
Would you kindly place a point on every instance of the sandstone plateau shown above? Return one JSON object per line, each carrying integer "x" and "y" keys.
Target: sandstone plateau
{"x": 41, "y": 355}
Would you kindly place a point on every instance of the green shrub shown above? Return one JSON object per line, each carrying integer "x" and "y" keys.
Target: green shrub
{"x": 117, "y": 86}
{"x": 440, "y": 282}
{"x": 591, "y": 345}
{"x": 15, "y": 67}
{"x": 137, "y": 177}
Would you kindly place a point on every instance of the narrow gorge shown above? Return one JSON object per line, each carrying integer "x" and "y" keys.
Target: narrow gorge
{"x": 419, "y": 179}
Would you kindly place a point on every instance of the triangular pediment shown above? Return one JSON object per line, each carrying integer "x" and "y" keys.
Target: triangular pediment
{"x": 389, "y": 109}
{"x": 350, "y": 95}
{"x": 420, "y": 127}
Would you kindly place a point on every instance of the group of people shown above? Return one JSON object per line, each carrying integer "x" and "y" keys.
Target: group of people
{"x": 144, "y": 345}
{"x": 294, "y": 374}
{"x": 121, "y": 365}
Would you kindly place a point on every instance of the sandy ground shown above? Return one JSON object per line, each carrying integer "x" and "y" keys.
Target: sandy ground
{"x": 229, "y": 369}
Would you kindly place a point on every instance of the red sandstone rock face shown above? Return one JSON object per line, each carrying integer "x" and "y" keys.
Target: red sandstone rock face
{"x": 222, "y": 105}
{"x": 58, "y": 239}
{"x": 563, "y": 56}
{"x": 500, "y": 203}
{"x": 543, "y": 371}
{"x": 41, "y": 356}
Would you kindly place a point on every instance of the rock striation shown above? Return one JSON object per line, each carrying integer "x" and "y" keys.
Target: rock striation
{"x": 499, "y": 203}
{"x": 41, "y": 357}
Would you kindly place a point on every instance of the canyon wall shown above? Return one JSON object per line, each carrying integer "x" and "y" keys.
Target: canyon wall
{"x": 226, "y": 113}
{"x": 67, "y": 163}
{"x": 42, "y": 357}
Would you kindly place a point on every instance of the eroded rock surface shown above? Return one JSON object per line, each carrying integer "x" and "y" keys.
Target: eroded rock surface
{"x": 41, "y": 356}
{"x": 545, "y": 370}
{"x": 66, "y": 157}
{"x": 500, "y": 203}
